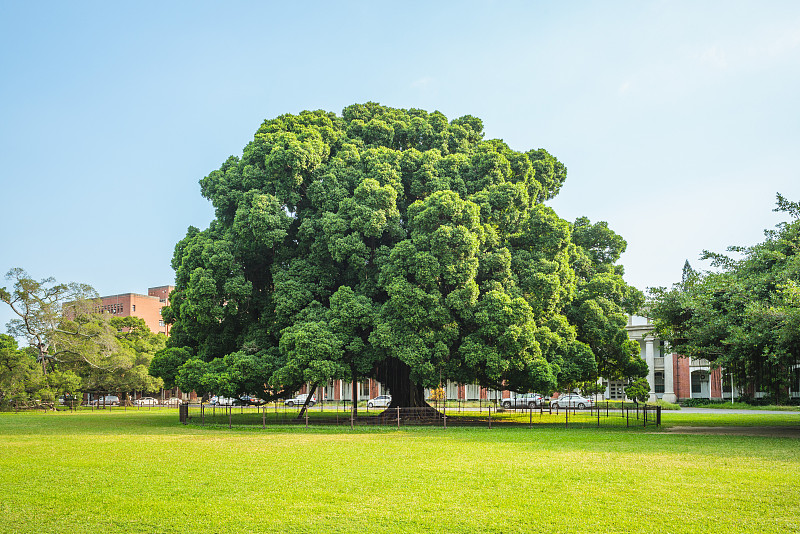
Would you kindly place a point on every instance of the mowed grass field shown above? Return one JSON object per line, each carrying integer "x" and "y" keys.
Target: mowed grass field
{"x": 141, "y": 472}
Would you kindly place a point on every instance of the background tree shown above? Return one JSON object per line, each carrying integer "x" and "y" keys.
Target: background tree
{"x": 22, "y": 380}
{"x": 638, "y": 390}
{"x": 42, "y": 307}
{"x": 166, "y": 364}
{"x": 78, "y": 347}
{"x": 743, "y": 316}
{"x": 20, "y": 375}
{"x": 127, "y": 366}
{"x": 383, "y": 243}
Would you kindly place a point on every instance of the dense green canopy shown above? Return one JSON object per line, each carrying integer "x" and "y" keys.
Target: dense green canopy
{"x": 745, "y": 315}
{"x": 393, "y": 244}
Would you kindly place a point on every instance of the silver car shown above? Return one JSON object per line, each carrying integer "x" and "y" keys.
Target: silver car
{"x": 528, "y": 400}
{"x": 381, "y": 401}
{"x": 107, "y": 400}
{"x": 300, "y": 399}
{"x": 571, "y": 400}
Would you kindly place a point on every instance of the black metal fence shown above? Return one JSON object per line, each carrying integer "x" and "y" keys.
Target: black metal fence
{"x": 600, "y": 415}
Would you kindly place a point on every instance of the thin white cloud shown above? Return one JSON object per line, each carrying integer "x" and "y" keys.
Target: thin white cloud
{"x": 422, "y": 83}
{"x": 714, "y": 56}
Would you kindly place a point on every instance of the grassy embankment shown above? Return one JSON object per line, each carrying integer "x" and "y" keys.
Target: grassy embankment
{"x": 140, "y": 471}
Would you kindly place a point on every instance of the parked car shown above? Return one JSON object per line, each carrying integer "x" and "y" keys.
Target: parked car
{"x": 107, "y": 400}
{"x": 146, "y": 401}
{"x": 300, "y": 400}
{"x": 571, "y": 400}
{"x": 173, "y": 401}
{"x": 528, "y": 400}
{"x": 251, "y": 400}
{"x": 381, "y": 401}
{"x": 226, "y": 401}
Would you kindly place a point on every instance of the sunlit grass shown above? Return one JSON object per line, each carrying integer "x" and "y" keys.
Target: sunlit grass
{"x": 142, "y": 472}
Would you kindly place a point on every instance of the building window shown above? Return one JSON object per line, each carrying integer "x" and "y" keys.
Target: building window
{"x": 658, "y": 387}
{"x": 161, "y": 323}
{"x": 134, "y": 307}
{"x": 616, "y": 390}
{"x": 696, "y": 386}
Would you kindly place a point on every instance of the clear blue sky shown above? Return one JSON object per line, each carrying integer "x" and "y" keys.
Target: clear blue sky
{"x": 678, "y": 121}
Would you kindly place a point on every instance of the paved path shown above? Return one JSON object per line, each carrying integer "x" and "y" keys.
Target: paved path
{"x": 730, "y": 411}
{"x": 766, "y": 431}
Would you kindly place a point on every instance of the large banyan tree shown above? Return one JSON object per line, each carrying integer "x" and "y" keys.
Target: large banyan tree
{"x": 393, "y": 244}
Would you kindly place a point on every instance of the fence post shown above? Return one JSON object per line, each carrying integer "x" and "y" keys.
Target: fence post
{"x": 444, "y": 414}
{"x": 490, "y": 415}
{"x": 627, "y": 417}
{"x": 658, "y": 416}
{"x": 566, "y": 415}
{"x": 202, "y": 413}
{"x": 398, "y": 418}
{"x": 530, "y": 417}
{"x": 306, "y": 417}
{"x": 230, "y": 416}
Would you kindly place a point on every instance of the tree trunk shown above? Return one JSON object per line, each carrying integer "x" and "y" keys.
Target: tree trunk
{"x": 42, "y": 358}
{"x": 396, "y": 376}
{"x": 309, "y": 396}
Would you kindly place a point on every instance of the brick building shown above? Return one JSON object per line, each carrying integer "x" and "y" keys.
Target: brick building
{"x": 674, "y": 377}
{"x": 147, "y": 307}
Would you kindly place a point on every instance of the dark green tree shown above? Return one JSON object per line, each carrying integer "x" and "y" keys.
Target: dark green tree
{"x": 385, "y": 243}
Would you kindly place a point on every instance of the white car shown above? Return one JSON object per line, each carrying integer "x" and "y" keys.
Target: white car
{"x": 381, "y": 401}
{"x": 571, "y": 400}
{"x": 173, "y": 401}
{"x": 528, "y": 400}
{"x": 146, "y": 401}
{"x": 300, "y": 400}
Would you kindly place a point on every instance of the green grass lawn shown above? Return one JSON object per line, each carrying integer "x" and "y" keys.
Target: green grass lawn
{"x": 142, "y": 472}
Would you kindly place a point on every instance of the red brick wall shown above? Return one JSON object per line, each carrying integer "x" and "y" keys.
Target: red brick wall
{"x": 162, "y": 292}
{"x": 682, "y": 377}
{"x": 373, "y": 388}
{"x": 716, "y": 383}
